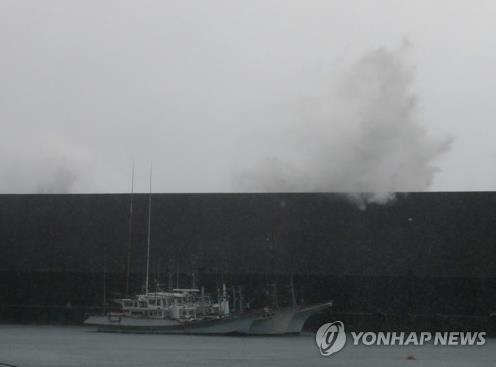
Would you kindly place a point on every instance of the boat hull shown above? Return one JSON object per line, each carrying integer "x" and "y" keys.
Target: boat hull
{"x": 288, "y": 320}
{"x": 227, "y": 326}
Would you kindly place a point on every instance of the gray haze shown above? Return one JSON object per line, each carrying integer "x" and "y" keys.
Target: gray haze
{"x": 247, "y": 95}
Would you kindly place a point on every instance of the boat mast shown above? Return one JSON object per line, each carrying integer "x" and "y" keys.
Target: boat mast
{"x": 149, "y": 228}
{"x": 130, "y": 233}
{"x": 104, "y": 278}
{"x": 293, "y": 294}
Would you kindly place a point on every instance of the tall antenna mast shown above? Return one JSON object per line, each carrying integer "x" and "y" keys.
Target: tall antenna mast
{"x": 149, "y": 228}
{"x": 104, "y": 278}
{"x": 130, "y": 233}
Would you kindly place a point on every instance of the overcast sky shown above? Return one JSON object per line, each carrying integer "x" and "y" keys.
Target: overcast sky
{"x": 247, "y": 95}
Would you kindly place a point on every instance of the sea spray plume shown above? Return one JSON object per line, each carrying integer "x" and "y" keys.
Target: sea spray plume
{"x": 59, "y": 180}
{"x": 393, "y": 151}
{"x": 47, "y": 165}
{"x": 366, "y": 138}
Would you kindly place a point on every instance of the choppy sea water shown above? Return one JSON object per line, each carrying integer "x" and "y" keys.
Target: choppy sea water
{"x": 39, "y": 346}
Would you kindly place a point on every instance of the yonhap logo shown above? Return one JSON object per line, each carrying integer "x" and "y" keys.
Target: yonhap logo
{"x": 330, "y": 338}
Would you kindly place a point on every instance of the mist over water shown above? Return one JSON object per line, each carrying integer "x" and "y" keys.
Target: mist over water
{"x": 366, "y": 136}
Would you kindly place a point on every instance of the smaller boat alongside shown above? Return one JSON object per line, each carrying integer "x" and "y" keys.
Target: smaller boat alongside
{"x": 287, "y": 320}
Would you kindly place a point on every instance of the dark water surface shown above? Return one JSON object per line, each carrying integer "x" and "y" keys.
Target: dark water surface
{"x": 40, "y": 346}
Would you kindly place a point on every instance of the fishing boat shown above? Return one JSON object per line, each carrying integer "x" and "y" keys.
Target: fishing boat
{"x": 190, "y": 311}
{"x": 181, "y": 311}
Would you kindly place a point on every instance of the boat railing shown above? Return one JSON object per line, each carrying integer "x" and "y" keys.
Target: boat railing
{"x": 114, "y": 317}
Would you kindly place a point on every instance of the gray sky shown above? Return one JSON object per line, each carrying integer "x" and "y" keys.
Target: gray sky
{"x": 247, "y": 95}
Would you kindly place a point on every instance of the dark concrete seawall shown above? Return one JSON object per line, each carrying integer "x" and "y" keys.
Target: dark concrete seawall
{"x": 425, "y": 258}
